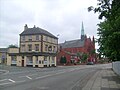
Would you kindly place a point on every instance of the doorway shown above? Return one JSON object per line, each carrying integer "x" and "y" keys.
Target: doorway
{"x": 22, "y": 63}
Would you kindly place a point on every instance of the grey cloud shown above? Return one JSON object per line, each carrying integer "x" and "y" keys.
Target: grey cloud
{"x": 54, "y": 16}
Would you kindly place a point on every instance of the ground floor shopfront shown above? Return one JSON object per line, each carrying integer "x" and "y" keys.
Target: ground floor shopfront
{"x": 31, "y": 60}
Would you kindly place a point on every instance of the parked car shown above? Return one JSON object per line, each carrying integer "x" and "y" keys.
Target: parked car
{"x": 90, "y": 63}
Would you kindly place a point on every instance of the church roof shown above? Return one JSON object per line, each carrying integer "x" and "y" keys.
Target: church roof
{"x": 73, "y": 43}
{"x": 34, "y": 31}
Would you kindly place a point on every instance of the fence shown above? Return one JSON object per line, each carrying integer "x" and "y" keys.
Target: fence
{"x": 116, "y": 67}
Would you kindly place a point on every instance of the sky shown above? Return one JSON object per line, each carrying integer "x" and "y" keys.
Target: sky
{"x": 59, "y": 17}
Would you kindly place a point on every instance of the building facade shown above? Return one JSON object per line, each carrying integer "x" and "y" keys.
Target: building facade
{"x": 38, "y": 48}
{"x": 71, "y": 49}
{"x": 3, "y": 55}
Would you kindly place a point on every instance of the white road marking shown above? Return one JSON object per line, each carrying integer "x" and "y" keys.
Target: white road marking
{"x": 28, "y": 77}
{"x": 3, "y": 80}
{"x": 6, "y": 72}
{"x": 11, "y": 80}
{"x": 60, "y": 72}
{"x": 44, "y": 76}
{"x": 6, "y": 83}
{"x": 32, "y": 74}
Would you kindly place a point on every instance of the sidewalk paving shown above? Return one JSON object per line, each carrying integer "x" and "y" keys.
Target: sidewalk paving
{"x": 104, "y": 79}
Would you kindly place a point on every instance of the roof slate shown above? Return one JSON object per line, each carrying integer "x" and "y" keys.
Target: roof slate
{"x": 73, "y": 43}
{"x": 34, "y": 31}
{"x": 3, "y": 49}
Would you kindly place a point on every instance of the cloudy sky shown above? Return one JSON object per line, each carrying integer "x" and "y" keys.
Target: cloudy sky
{"x": 63, "y": 17}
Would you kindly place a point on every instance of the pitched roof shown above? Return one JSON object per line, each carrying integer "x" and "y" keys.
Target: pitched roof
{"x": 34, "y": 31}
{"x": 73, "y": 43}
{"x": 3, "y": 49}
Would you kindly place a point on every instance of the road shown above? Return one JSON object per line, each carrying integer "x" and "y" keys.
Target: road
{"x": 57, "y": 78}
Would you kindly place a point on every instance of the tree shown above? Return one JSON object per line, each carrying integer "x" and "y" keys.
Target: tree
{"x": 63, "y": 60}
{"x": 12, "y": 46}
{"x": 109, "y": 29}
{"x": 84, "y": 57}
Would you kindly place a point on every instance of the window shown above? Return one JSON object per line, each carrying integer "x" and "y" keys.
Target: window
{"x": 13, "y": 59}
{"x": 50, "y": 48}
{"x": 36, "y": 59}
{"x": 45, "y": 60}
{"x": 29, "y": 60}
{"x": 55, "y": 41}
{"x": 54, "y": 49}
{"x": 40, "y": 62}
{"x": 53, "y": 60}
{"x": 46, "y": 47}
{"x": 23, "y": 48}
{"x": 23, "y": 38}
{"x": 51, "y": 40}
{"x": 46, "y": 38}
{"x": 30, "y": 47}
{"x": 37, "y": 37}
{"x": 30, "y": 38}
{"x": 36, "y": 47}
{"x": 22, "y": 57}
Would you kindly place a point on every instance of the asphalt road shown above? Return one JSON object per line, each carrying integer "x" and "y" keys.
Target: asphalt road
{"x": 57, "y": 78}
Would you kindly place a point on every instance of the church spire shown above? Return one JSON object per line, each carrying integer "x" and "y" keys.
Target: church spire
{"x": 82, "y": 32}
{"x": 82, "y": 29}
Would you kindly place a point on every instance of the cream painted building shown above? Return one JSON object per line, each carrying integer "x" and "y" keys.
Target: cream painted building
{"x": 38, "y": 48}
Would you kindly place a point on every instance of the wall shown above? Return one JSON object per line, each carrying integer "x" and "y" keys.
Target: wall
{"x": 116, "y": 67}
{"x": 8, "y": 60}
{"x": 13, "y": 50}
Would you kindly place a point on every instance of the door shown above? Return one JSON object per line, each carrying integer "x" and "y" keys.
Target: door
{"x": 22, "y": 63}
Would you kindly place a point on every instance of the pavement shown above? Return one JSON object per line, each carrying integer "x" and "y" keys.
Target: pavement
{"x": 104, "y": 79}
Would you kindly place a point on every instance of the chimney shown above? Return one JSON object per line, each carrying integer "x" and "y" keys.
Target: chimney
{"x": 34, "y": 26}
{"x": 25, "y": 27}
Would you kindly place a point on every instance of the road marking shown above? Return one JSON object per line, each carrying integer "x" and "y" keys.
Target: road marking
{"x": 11, "y": 80}
{"x": 60, "y": 72}
{"x": 6, "y": 83}
{"x": 32, "y": 74}
{"x": 44, "y": 76}
{"x": 6, "y": 72}
{"x": 28, "y": 77}
{"x": 3, "y": 80}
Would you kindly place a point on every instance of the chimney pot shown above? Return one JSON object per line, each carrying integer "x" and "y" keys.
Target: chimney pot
{"x": 25, "y": 27}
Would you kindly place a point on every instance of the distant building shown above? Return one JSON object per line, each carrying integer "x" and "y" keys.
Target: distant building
{"x": 38, "y": 48}
{"x": 70, "y": 49}
{"x": 3, "y": 55}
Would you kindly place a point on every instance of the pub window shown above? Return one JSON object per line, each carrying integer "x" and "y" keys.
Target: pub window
{"x": 30, "y": 38}
{"x": 36, "y": 47}
{"x": 23, "y": 47}
{"x": 46, "y": 47}
{"x": 37, "y": 37}
{"x": 36, "y": 59}
{"x": 30, "y": 47}
{"x": 23, "y": 38}
{"x": 22, "y": 57}
{"x": 40, "y": 62}
{"x": 54, "y": 49}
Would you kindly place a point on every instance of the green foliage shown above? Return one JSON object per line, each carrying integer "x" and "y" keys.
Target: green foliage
{"x": 92, "y": 52}
{"x": 109, "y": 29}
{"x": 63, "y": 60}
{"x": 12, "y": 46}
{"x": 84, "y": 57}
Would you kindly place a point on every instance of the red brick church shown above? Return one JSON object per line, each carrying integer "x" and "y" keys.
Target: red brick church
{"x": 72, "y": 51}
